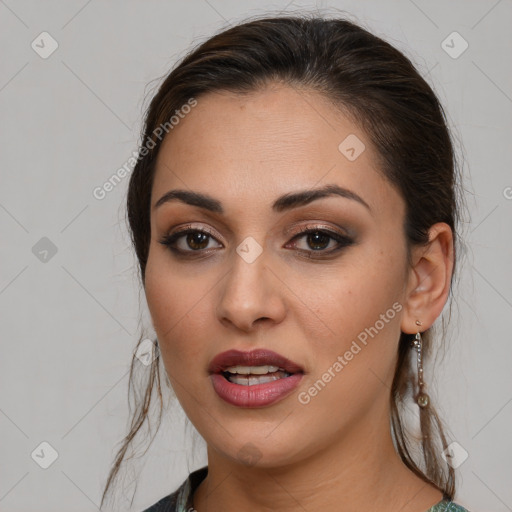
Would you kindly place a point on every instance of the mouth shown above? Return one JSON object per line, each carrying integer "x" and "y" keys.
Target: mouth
{"x": 253, "y": 379}
{"x": 262, "y": 365}
{"x": 254, "y": 375}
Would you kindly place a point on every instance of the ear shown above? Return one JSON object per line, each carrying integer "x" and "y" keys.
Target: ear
{"x": 428, "y": 285}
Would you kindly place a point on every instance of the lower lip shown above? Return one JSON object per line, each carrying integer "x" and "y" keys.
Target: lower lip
{"x": 258, "y": 395}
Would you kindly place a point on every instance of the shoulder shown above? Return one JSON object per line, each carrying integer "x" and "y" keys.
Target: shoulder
{"x": 167, "y": 504}
{"x": 180, "y": 499}
{"x": 447, "y": 506}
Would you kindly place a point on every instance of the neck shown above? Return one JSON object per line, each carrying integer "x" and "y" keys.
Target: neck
{"x": 360, "y": 472}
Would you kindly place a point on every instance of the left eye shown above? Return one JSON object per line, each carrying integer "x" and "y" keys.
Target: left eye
{"x": 318, "y": 240}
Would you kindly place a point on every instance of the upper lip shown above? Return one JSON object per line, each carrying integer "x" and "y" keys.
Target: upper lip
{"x": 258, "y": 357}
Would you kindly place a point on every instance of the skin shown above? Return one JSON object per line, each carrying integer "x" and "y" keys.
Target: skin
{"x": 336, "y": 452}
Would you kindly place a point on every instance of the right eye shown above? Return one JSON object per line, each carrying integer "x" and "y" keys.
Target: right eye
{"x": 189, "y": 241}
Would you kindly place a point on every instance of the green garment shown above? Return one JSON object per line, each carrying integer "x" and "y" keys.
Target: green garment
{"x": 181, "y": 499}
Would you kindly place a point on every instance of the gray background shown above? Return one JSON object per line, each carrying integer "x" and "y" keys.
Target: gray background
{"x": 69, "y": 320}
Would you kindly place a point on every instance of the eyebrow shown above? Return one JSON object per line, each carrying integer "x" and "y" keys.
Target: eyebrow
{"x": 285, "y": 202}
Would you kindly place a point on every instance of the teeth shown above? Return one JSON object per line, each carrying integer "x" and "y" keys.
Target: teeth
{"x": 252, "y": 370}
{"x": 251, "y": 381}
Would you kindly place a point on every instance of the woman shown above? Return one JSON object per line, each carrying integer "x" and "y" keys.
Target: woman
{"x": 294, "y": 215}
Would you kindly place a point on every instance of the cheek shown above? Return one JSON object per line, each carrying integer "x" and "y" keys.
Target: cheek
{"x": 357, "y": 296}
{"x": 354, "y": 364}
{"x": 361, "y": 308}
{"x": 179, "y": 311}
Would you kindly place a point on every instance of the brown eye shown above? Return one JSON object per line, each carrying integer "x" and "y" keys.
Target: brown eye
{"x": 197, "y": 240}
{"x": 320, "y": 242}
{"x": 189, "y": 241}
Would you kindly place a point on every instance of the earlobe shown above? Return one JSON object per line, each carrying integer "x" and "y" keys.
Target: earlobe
{"x": 429, "y": 279}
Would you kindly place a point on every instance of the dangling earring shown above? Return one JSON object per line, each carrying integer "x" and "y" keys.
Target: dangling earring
{"x": 422, "y": 399}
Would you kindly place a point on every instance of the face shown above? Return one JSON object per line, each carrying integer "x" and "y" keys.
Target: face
{"x": 247, "y": 275}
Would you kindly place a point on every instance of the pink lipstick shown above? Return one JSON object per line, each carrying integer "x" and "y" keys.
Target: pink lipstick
{"x": 253, "y": 379}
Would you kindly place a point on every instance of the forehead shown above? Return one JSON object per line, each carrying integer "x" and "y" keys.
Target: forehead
{"x": 251, "y": 148}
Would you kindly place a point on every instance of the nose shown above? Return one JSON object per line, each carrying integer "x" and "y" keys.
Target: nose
{"x": 251, "y": 295}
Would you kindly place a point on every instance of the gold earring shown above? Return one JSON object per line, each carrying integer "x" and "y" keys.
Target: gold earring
{"x": 422, "y": 399}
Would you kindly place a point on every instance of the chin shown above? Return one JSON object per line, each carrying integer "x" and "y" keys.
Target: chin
{"x": 259, "y": 451}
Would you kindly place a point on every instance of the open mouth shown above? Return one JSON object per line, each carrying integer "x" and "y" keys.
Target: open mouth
{"x": 253, "y": 375}
{"x": 257, "y": 378}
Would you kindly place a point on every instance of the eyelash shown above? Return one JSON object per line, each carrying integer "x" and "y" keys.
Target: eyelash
{"x": 343, "y": 241}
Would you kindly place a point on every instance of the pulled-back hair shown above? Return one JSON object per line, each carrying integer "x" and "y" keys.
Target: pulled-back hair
{"x": 380, "y": 89}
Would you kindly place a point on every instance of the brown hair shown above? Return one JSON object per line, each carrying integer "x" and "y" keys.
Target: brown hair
{"x": 376, "y": 84}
